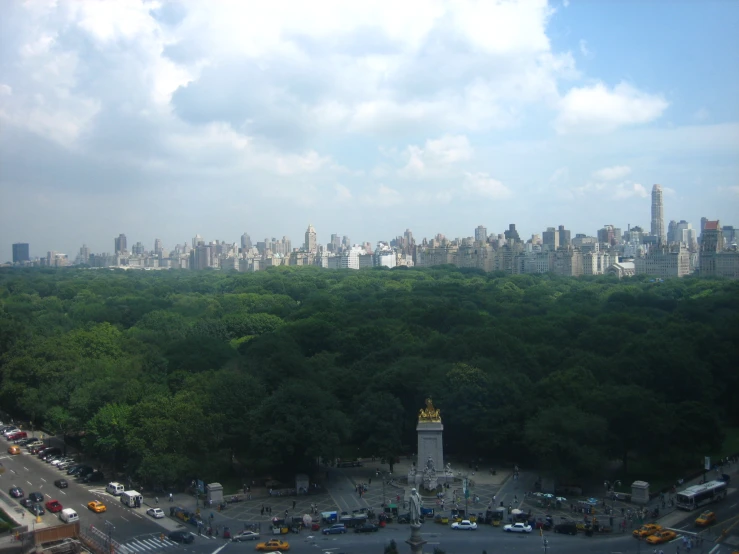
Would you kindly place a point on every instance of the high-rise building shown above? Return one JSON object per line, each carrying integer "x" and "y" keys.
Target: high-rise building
{"x": 481, "y": 234}
{"x": 564, "y": 236}
{"x": 311, "y": 240}
{"x": 21, "y": 253}
{"x": 121, "y": 245}
{"x": 550, "y": 239}
{"x": 658, "y": 214}
{"x": 511, "y": 235}
{"x": 138, "y": 249}
{"x": 197, "y": 241}
{"x": 84, "y": 256}
{"x": 158, "y": 248}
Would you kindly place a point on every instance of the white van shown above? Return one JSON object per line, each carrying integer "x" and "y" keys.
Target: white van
{"x": 68, "y": 515}
{"x": 132, "y": 499}
{"x": 115, "y": 488}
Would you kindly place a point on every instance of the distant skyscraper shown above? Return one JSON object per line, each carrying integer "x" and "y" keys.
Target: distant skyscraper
{"x": 197, "y": 241}
{"x": 20, "y": 252}
{"x": 564, "y": 236}
{"x": 158, "y": 248}
{"x": 311, "y": 243}
{"x": 121, "y": 244}
{"x": 245, "y": 242}
{"x": 658, "y": 214}
{"x": 511, "y": 234}
{"x": 481, "y": 234}
{"x": 550, "y": 239}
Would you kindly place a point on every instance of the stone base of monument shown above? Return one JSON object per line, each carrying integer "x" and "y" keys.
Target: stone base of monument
{"x": 416, "y": 542}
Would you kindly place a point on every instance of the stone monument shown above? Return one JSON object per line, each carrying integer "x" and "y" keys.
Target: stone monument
{"x": 430, "y": 451}
{"x": 415, "y": 541}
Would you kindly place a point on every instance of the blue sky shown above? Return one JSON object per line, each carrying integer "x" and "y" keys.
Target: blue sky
{"x": 163, "y": 120}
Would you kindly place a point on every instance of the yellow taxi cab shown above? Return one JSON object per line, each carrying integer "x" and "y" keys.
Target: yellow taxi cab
{"x": 273, "y": 545}
{"x": 647, "y": 530}
{"x": 706, "y": 518}
{"x": 661, "y": 536}
{"x": 14, "y": 449}
{"x": 96, "y": 506}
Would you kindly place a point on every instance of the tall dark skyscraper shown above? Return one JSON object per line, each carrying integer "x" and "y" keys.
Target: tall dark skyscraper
{"x": 658, "y": 214}
{"x": 121, "y": 244}
{"x": 20, "y": 252}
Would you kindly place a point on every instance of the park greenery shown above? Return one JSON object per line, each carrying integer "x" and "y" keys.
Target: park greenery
{"x": 170, "y": 375}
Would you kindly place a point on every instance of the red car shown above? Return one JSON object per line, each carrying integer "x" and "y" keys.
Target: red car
{"x": 18, "y": 436}
{"x": 53, "y": 506}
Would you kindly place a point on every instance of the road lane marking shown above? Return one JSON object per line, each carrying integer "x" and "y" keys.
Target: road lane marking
{"x": 733, "y": 505}
{"x": 29, "y": 483}
{"x": 24, "y": 467}
{"x": 123, "y": 518}
{"x": 217, "y": 550}
{"x": 44, "y": 480}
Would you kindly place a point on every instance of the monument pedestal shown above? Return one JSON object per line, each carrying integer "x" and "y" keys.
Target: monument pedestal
{"x": 416, "y": 542}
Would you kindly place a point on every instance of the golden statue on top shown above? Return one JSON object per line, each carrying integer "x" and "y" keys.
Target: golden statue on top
{"x": 429, "y": 413}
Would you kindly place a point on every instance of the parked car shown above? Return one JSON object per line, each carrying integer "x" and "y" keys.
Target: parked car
{"x": 18, "y": 435}
{"x": 335, "y": 529}
{"x": 36, "y": 497}
{"x": 37, "y": 510}
{"x": 26, "y": 502}
{"x": 82, "y": 471}
{"x": 64, "y": 465}
{"x": 273, "y": 545}
{"x": 94, "y": 477}
{"x": 33, "y": 442}
{"x": 464, "y": 525}
{"x": 568, "y": 528}
{"x": 16, "y": 492}
{"x": 245, "y": 536}
{"x": 54, "y": 506}
{"x": 366, "y": 528}
{"x": 518, "y": 528}
{"x": 156, "y": 513}
{"x": 96, "y": 506}
{"x": 48, "y": 452}
{"x": 181, "y": 536}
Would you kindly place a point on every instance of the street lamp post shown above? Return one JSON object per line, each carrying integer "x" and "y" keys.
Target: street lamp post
{"x": 384, "y": 476}
{"x": 109, "y": 528}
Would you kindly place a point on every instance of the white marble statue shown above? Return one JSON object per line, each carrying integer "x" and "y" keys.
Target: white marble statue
{"x": 414, "y": 501}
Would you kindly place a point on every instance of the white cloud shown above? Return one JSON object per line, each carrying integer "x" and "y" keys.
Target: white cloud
{"x": 597, "y": 109}
{"x": 383, "y": 196}
{"x": 612, "y": 173}
{"x": 730, "y": 190}
{"x": 560, "y": 174}
{"x": 622, "y": 191}
{"x": 702, "y": 114}
{"x": 482, "y": 184}
{"x": 566, "y": 3}
{"x": 584, "y": 49}
{"x": 343, "y": 194}
{"x": 436, "y": 157}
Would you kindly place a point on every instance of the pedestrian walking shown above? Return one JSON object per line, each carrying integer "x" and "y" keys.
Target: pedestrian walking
{"x": 262, "y": 509}
{"x": 293, "y": 504}
{"x": 156, "y": 500}
{"x": 171, "y": 497}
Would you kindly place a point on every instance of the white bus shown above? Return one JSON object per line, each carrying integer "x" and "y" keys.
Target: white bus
{"x": 698, "y": 495}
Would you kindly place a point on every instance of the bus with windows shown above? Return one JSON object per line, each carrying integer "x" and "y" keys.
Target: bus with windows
{"x": 698, "y": 495}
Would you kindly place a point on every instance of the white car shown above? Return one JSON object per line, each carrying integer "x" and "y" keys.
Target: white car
{"x": 518, "y": 528}
{"x": 156, "y": 513}
{"x": 464, "y": 525}
{"x": 245, "y": 536}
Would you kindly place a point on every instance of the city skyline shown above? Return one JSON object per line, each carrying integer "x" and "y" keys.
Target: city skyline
{"x": 162, "y": 120}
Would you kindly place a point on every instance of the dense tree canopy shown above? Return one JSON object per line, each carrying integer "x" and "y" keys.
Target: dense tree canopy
{"x": 171, "y": 374}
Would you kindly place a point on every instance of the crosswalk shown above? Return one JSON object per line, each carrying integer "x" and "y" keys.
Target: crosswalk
{"x": 152, "y": 544}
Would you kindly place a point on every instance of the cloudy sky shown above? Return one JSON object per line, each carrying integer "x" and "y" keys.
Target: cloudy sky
{"x": 167, "y": 119}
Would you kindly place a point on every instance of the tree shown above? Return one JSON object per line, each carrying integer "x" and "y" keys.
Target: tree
{"x": 378, "y": 425}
